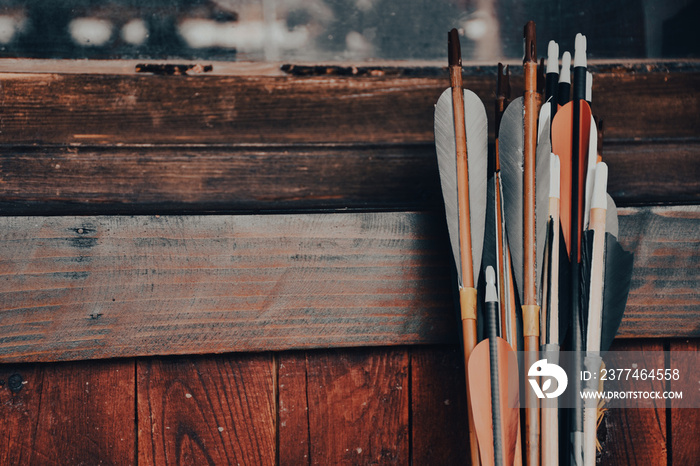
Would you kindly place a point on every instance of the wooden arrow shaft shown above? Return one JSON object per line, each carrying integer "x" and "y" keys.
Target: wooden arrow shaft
{"x": 465, "y": 237}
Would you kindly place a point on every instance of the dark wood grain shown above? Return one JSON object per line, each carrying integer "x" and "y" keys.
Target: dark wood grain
{"x": 358, "y": 406}
{"x": 62, "y": 108}
{"x": 216, "y": 410}
{"x": 70, "y": 413}
{"x": 97, "y": 287}
{"x": 161, "y": 179}
{"x": 684, "y": 445}
{"x": 174, "y": 179}
{"x": 438, "y": 406}
{"x": 648, "y": 172}
{"x": 636, "y": 436}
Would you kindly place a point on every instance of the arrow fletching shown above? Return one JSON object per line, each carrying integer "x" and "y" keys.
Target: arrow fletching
{"x": 477, "y": 160}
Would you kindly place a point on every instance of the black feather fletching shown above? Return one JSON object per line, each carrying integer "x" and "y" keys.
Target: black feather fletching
{"x": 564, "y": 284}
{"x": 616, "y": 285}
{"x": 618, "y": 278}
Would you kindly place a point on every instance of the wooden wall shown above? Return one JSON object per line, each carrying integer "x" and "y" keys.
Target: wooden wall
{"x": 237, "y": 269}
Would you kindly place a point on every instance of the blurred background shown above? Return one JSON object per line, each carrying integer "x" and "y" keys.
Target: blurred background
{"x": 336, "y": 30}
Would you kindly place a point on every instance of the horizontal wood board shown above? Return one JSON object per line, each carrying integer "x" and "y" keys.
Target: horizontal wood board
{"x": 51, "y": 180}
{"x": 99, "y": 287}
{"x": 109, "y": 109}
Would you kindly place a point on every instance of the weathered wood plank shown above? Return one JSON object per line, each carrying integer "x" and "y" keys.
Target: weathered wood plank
{"x": 664, "y": 296}
{"x": 161, "y": 179}
{"x": 216, "y": 410}
{"x": 438, "y": 406}
{"x": 40, "y": 108}
{"x": 636, "y": 436}
{"x": 97, "y": 287}
{"x": 110, "y": 286}
{"x": 358, "y": 406}
{"x": 71, "y": 413}
{"x": 684, "y": 445}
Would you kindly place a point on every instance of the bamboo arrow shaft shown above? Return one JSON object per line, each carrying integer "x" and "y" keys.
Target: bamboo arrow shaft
{"x": 467, "y": 292}
{"x": 530, "y": 308}
{"x": 465, "y": 237}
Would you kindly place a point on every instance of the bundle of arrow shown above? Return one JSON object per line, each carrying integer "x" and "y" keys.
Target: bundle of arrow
{"x": 532, "y": 227}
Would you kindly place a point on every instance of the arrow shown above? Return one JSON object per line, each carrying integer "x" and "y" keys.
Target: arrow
{"x": 552, "y": 329}
{"x": 462, "y": 152}
{"x": 606, "y": 271}
{"x": 498, "y": 241}
{"x": 564, "y": 87}
{"x": 530, "y": 307}
{"x": 495, "y": 400}
{"x": 552, "y": 77}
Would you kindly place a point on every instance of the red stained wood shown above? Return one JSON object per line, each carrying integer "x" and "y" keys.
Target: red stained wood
{"x": 293, "y": 409}
{"x": 438, "y": 406}
{"x": 76, "y": 413}
{"x": 636, "y": 436}
{"x": 685, "y": 422}
{"x": 358, "y": 407}
{"x": 218, "y": 410}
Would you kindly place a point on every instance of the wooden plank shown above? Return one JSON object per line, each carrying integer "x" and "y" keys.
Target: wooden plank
{"x": 684, "y": 445}
{"x": 90, "y": 287}
{"x": 664, "y": 297}
{"x": 647, "y": 172}
{"x": 358, "y": 407}
{"x": 293, "y": 409}
{"x": 160, "y": 179}
{"x": 98, "y": 287}
{"x": 217, "y": 410}
{"x": 74, "y": 413}
{"x": 438, "y": 406}
{"x": 636, "y": 436}
{"x": 41, "y": 108}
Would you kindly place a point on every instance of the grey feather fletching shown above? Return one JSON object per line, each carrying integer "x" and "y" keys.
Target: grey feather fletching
{"x": 510, "y": 151}
{"x": 477, "y": 160}
{"x": 510, "y": 144}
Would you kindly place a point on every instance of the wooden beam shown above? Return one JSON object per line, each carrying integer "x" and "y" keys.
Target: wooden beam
{"x": 101, "y": 287}
{"x": 174, "y": 179}
{"x": 379, "y": 107}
